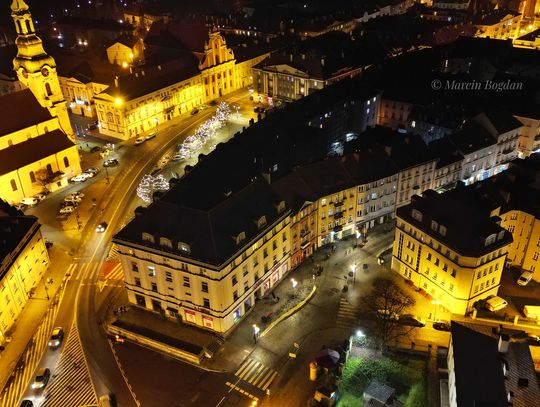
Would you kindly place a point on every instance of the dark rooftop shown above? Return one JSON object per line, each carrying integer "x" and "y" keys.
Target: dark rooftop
{"x": 32, "y": 150}
{"x": 466, "y": 215}
{"x": 472, "y": 137}
{"x": 12, "y": 107}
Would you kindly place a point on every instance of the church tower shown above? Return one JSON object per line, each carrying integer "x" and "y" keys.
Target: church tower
{"x": 35, "y": 68}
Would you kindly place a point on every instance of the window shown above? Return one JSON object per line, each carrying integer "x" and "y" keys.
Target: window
{"x": 134, "y": 267}
{"x": 428, "y": 257}
{"x": 32, "y": 176}
{"x": 154, "y": 287}
{"x": 204, "y": 287}
{"x": 234, "y": 280}
{"x": 235, "y": 295}
{"x": 151, "y": 271}
{"x": 13, "y": 185}
{"x": 206, "y": 303}
{"x": 66, "y": 162}
{"x": 187, "y": 283}
{"x": 478, "y": 275}
{"x": 265, "y": 253}
{"x": 245, "y": 271}
{"x": 323, "y": 201}
{"x": 434, "y": 225}
{"x": 137, "y": 282}
{"x": 168, "y": 276}
{"x": 453, "y": 273}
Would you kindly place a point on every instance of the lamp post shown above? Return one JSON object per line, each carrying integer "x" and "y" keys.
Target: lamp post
{"x": 256, "y": 331}
{"x": 353, "y": 270}
{"x": 436, "y": 303}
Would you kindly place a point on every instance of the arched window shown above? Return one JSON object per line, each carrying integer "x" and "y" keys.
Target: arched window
{"x": 66, "y": 162}
{"x": 28, "y": 26}
{"x": 45, "y": 129}
{"x": 49, "y": 169}
{"x": 19, "y": 26}
{"x": 48, "y": 89}
{"x": 32, "y": 176}
{"x": 10, "y": 142}
{"x": 13, "y": 185}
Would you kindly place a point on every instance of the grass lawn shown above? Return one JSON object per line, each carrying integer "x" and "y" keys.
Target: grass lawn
{"x": 405, "y": 374}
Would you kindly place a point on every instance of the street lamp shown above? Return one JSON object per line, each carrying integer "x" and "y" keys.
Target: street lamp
{"x": 436, "y": 303}
{"x": 256, "y": 331}
{"x": 353, "y": 270}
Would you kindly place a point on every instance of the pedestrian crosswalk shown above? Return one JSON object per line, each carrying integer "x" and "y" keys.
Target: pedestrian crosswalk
{"x": 71, "y": 384}
{"x": 111, "y": 270}
{"x": 18, "y": 381}
{"x": 256, "y": 374}
{"x": 347, "y": 316}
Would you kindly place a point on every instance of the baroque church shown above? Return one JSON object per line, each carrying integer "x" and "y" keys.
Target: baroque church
{"x": 37, "y": 145}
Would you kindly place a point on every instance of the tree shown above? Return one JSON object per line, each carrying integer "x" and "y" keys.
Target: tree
{"x": 149, "y": 185}
{"x": 43, "y": 177}
{"x": 386, "y": 302}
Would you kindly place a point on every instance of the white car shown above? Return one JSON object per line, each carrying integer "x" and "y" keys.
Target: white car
{"x": 101, "y": 227}
{"x": 105, "y": 153}
{"x": 78, "y": 178}
{"x": 72, "y": 198}
{"x": 92, "y": 170}
{"x": 150, "y": 136}
{"x": 75, "y": 195}
{"x": 30, "y": 201}
{"x": 139, "y": 141}
{"x": 88, "y": 174}
{"x": 177, "y": 157}
{"x": 525, "y": 277}
{"x": 41, "y": 196}
{"x": 67, "y": 209}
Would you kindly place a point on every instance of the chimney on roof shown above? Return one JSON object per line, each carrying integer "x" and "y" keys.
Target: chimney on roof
{"x": 159, "y": 67}
{"x": 304, "y": 56}
{"x": 116, "y": 81}
{"x": 322, "y": 61}
{"x": 290, "y": 57}
{"x": 142, "y": 72}
{"x": 504, "y": 342}
{"x": 388, "y": 150}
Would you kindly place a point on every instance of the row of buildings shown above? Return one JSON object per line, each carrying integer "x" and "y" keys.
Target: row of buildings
{"x": 231, "y": 234}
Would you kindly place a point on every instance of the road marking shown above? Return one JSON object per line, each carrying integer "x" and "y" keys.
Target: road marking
{"x": 255, "y": 373}
{"x": 238, "y": 389}
{"x": 269, "y": 381}
{"x": 347, "y": 314}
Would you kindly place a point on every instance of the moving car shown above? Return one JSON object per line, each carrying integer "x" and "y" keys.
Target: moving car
{"x": 111, "y": 162}
{"x": 78, "y": 178}
{"x": 139, "y": 141}
{"x": 441, "y": 325}
{"x": 42, "y": 378}
{"x": 150, "y": 136}
{"x": 101, "y": 227}
{"x": 56, "y": 338}
{"x": 67, "y": 209}
{"x": 524, "y": 278}
{"x": 495, "y": 303}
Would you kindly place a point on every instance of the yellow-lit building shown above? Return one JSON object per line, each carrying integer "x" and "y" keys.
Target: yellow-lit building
{"x": 151, "y": 96}
{"x": 24, "y": 259}
{"x": 452, "y": 247}
{"x": 126, "y": 51}
{"x": 37, "y": 151}
{"x": 207, "y": 267}
{"x": 499, "y": 24}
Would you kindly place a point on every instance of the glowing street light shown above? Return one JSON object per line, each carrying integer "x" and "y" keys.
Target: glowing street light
{"x": 118, "y": 102}
{"x": 294, "y": 283}
{"x": 353, "y": 270}
{"x": 256, "y": 331}
{"x": 360, "y": 334}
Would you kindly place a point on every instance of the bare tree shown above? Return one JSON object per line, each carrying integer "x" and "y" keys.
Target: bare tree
{"x": 43, "y": 177}
{"x": 386, "y": 302}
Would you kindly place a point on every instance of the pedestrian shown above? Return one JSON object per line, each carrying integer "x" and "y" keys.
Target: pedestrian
{"x": 254, "y": 338}
{"x": 273, "y": 295}
{"x": 278, "y": 299}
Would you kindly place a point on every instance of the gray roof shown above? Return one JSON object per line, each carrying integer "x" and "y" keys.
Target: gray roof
{"x": 379, "y": 391}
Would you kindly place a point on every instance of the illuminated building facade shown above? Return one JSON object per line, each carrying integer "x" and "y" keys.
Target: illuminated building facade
{"x": 36, "y": 149}
{"x": 24, "y": 259}
{"x": 452, "y": 247}
{"x": 499, "y": 24}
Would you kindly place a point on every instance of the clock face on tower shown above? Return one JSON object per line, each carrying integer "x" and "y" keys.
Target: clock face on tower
{"x": 45, "y": 72}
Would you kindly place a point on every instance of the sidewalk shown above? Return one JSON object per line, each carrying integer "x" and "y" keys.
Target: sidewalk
{"x": 33, "y": 313}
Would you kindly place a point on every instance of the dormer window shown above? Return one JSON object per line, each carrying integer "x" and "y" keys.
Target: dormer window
{"x": 184, "y": 248}
{"x": 147, "y": 237}
{"x": 261, "y": 222}
{"x": 240, "y": 237}
{"x": 163, "y": 241}
{"x": 442, "y": 230}
{"x": 434, "y": 225}
{"x": 490, "y": 239}
{"x": 280, "y": 206}
{"x": 416, "y": 214}
{"x": 500, "y": 236}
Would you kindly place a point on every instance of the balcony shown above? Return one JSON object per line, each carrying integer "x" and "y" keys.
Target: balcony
{"x": 305, "y": 244}
{"x": 338, "y": 215}
{"x": 304, "y": 233}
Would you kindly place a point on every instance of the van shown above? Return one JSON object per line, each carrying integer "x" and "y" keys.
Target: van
{"x": 524, "y": 278}
{"x": 30, "y": 201}
{"x": 495, "y": 303}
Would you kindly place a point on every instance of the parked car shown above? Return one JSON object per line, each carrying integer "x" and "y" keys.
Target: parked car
{"x": 412, "y": 320}
{"x": 95, "y": 149}
{"x": 69, "y": 203}
{"x": 111, "y": 162}
{"x": 41, "y": 196}
{"x": 213, "y": 103}
{"x": 194, "y": 111}
{"x": 87, "y": 174}
{"x": 92, "y": 170}
{"x": 42, "y": 378}
{"x": 29, "y": 201}
{"x": 139, "y": 141}
{"x": 524, "y": 278}
{"x": 56, "y": 338}
{"x": 72, "y": 198}
{"x": 75, "y": 195}
{"x": 150, "y": 136}
{"x": 101, "y": 227}
{"x": 67, "y": 209}
{"x": 441, "y": 325}
{"x": 495, "y": 303}
{"x": 92, "y": 126}
{"x": 78, "y": 178}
